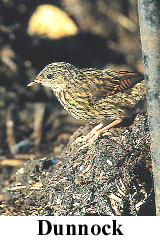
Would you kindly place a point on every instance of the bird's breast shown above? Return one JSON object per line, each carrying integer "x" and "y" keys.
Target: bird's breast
{"x": 77, "y": 103}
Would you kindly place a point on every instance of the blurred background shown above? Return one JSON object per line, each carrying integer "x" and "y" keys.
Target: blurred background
{"x": 86, "y": 33}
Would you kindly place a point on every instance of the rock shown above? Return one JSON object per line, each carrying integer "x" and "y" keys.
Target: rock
{"x": 112, "y": 177}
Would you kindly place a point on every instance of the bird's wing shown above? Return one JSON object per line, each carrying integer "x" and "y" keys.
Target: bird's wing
{"x": 103, "y": 83}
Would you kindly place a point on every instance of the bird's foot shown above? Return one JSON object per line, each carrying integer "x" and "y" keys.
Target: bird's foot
{"x": 96, "y": 132}
{"x": 91, "y": 140}
{"x": 90, "y": 134}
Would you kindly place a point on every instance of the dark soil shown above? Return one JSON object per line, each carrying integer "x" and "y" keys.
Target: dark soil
{"x": 112, "y": 177}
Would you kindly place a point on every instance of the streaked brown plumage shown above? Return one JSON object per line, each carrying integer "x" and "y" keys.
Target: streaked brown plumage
{"x": 95, "y": 95}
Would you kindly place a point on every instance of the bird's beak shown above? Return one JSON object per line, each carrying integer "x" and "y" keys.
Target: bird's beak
{"x": 32, "y": 83}
{"x": 36, "y": 81}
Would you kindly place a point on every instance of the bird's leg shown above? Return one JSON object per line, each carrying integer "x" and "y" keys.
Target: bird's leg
{"x": 97, "y": 131}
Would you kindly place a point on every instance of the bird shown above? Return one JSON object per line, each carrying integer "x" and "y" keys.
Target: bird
{"x": 99, "y": 96}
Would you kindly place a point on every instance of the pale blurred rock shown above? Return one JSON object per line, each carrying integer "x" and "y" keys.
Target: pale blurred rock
{"x": 50, "y": 21}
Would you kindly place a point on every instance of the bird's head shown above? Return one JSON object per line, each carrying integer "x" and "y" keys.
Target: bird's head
{"x": 53, "y": 76}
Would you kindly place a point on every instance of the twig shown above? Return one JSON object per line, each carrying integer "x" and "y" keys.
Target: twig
{"x": 38, "y": 120}
{"x": 10, "y": 131}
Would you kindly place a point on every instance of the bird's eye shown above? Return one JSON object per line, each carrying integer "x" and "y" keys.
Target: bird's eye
{"x": 49, "y": 76}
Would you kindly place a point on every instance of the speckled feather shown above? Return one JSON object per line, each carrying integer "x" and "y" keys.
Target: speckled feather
{"x": 94, "y": 95}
